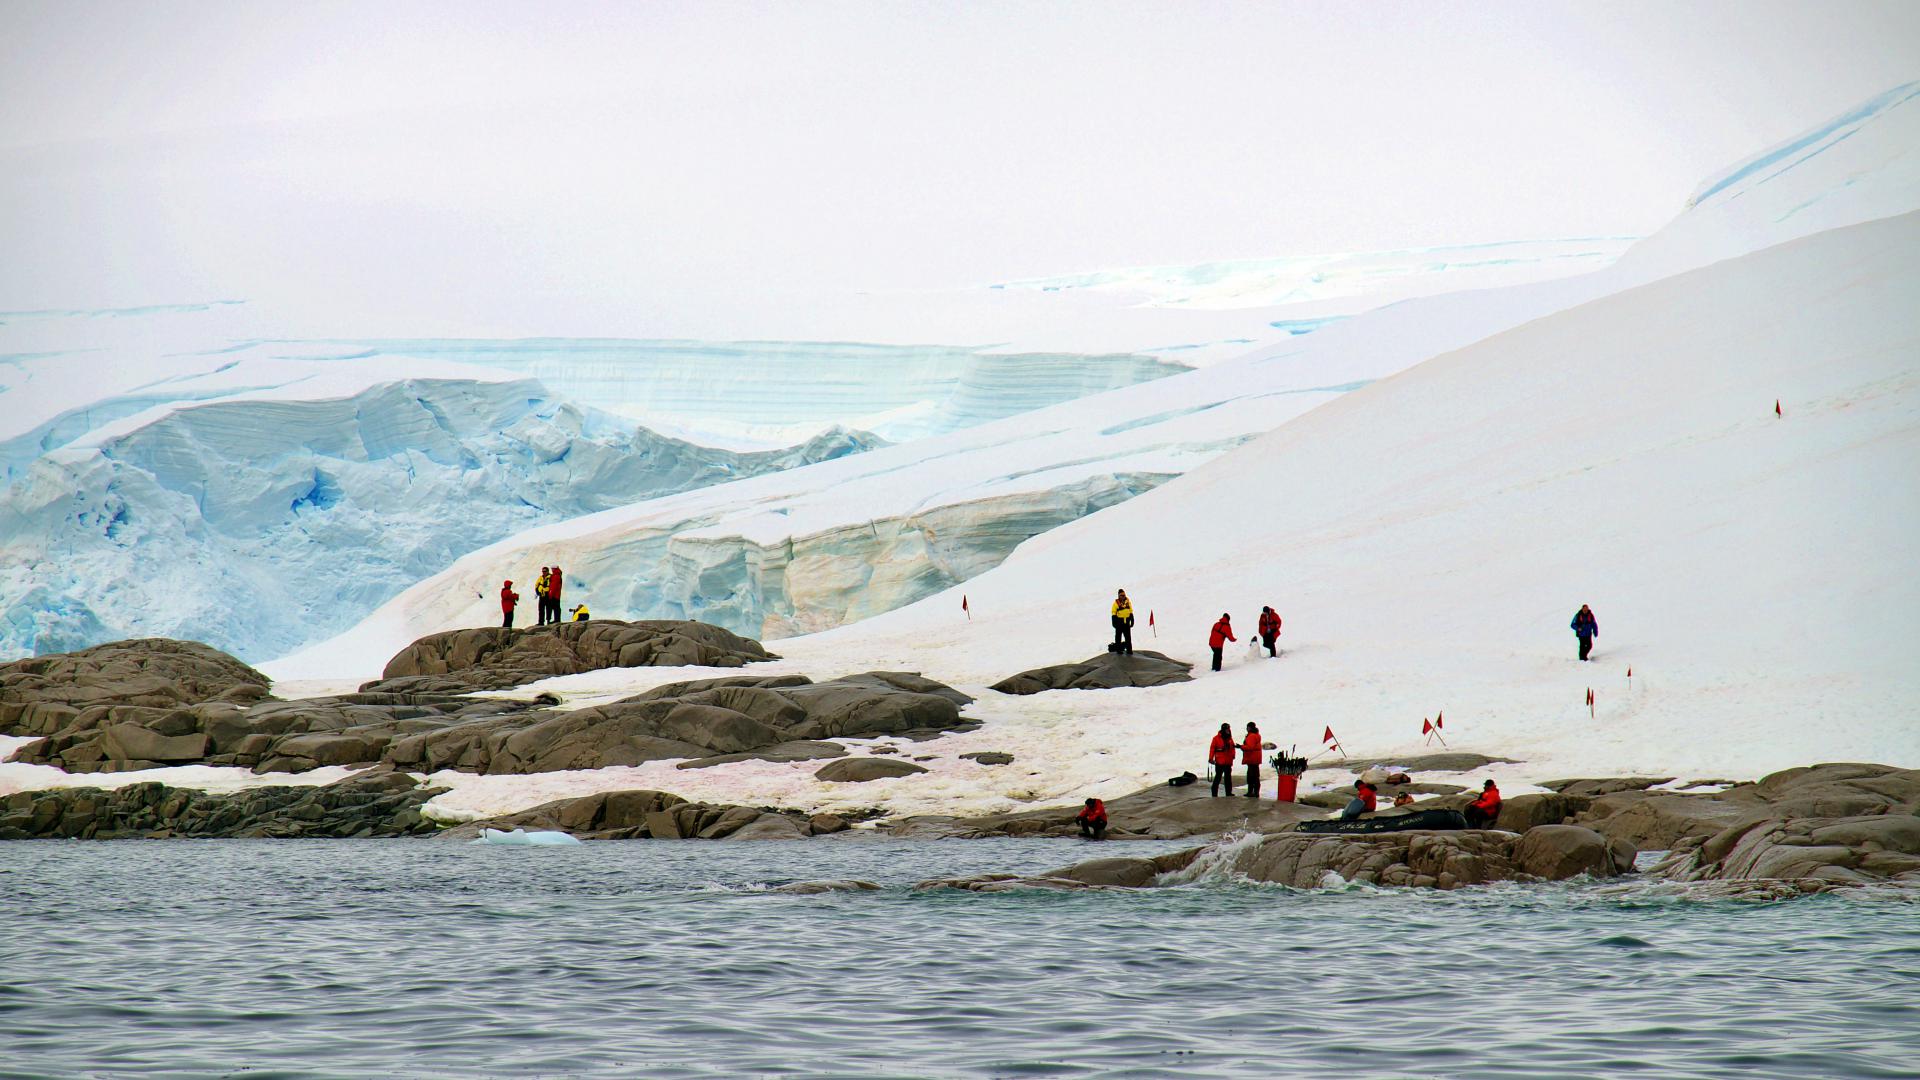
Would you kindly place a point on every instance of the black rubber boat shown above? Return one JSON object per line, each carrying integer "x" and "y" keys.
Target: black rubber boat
{"x": 1419, "y": 819}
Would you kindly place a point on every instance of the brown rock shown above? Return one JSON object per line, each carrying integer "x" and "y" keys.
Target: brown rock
{"x": 859, "y": 770}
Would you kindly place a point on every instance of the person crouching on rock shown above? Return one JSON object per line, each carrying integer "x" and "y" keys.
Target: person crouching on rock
{"x": 1269, "y": 629}
{"x": 1220, "y": 758}
{"x": 1092, "y": 820}
{"x": 1362, "y": 802}
{"x": 1222, "y": 633}
{"x": 1250, "y": 756}
{"x": 581, "y": 614}
{"x": 1485, "y": 810}
{"x": 1123, "y": 624}
{"x": 508, "y": 598}
{"x": 540, "y": 597}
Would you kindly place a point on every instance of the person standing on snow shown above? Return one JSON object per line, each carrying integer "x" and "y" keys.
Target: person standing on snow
{"x": 1586, "y": 628}
{"x": 1222, "y": 633}
{"x": 553, "y": 596}
{"x": 1220, "y": 757}
{"x": 1269, "y": 629}
{"x": 1250, "y": 756}
{"x": 1123, "y": 624}
{"x": 508, "y": 598}
{"x": 1483, "y": 811}
{"x": 540, "y": 597}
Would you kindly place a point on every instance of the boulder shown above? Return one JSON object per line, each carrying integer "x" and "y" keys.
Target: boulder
{"x": 42, "y": 694}
{"x": 859, "y": 770}
{"x": 1449, "y": 761}
{"x": 1107, "y": 671}
{"x": 384, "y": 805}
{"x": 1605, "y": 786}
{"x": 1656, "y": 821}
{"x": 812, "y": 888}
{"x": 988, "y": 757}
{"x": 1558, "y": 852}
{"x": 497, "y": 658}
{"x": 1523, "y": 812}
{"x": 802, "y": 750}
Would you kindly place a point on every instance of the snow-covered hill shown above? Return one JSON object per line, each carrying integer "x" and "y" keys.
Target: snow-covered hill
{"x": 1427, "y": 540}
{"x": 823, "y": 545}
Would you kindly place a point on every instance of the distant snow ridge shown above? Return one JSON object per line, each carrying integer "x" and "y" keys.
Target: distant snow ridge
{"x": 779, "y": 392}
{"x": 259, "y": 525}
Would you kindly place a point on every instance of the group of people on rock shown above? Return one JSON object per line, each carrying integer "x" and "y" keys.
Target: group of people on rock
{"x": 1220, "y": 753}
{"x": 546, "y": 591}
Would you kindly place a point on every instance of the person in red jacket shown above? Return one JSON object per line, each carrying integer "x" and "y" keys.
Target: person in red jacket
{"x": 1092, "y": 819}
{"x": 1220, "y": 756}
{"x": 1250, "y": 757}
{"x": 1222, "y": 633}
{"x": 1269, "y": 629}
{"x": 1484, "y": 810}
{"x": 1362, "y": 802}
{"x": 553, "y": 596}
{"x": 508, "y": 598}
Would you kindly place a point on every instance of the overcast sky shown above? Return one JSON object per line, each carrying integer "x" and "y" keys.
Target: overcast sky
{"x": 705, "y": 169}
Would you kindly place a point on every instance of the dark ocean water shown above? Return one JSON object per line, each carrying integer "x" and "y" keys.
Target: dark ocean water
{"x": 662, "y": 959}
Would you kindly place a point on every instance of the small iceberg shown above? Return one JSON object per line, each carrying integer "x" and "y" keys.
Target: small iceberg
{"x": 523, "y": 838}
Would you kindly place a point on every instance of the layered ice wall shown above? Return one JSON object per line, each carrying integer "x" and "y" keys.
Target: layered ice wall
{"x": 257, "y": 523}
{"x": 780, "y": 392}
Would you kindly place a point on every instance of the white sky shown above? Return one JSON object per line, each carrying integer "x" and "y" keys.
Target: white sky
{"x": 720, "y": 170}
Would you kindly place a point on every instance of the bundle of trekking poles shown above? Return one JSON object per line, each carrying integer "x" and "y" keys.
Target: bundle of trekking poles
{"x": 1287, "y": 765}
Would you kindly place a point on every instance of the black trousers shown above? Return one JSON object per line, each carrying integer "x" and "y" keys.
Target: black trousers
{"x": 1222, "y": 774}
{"x": 507, "y": 620}
{"x": 1216, "y": 659}
{"x": 1253, "y": 780}
{"x": 1267, "y": 640}
{"x": 1123, "y": 635}
{"x": 1478, "y": 818}
{"x": 553, "y": 609}
{"x": 1094, "y": 831}
{"x": 1586, "y": 646}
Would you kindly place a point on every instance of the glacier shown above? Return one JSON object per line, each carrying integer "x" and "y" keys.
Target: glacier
{"x": 258, "y": 522}
{"x": 716, "y": 540}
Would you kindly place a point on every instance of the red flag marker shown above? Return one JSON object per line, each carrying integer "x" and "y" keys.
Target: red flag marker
{"x": 1426, "y": 727}
{"x": 1328, "y": 737}
{"x": 1150, "y": 626}
{"x": 1439, "y": 720}
{"x": 1590, "y": 712}
{"x": 1776, "y": 408}
{"x": 964, "y": 607}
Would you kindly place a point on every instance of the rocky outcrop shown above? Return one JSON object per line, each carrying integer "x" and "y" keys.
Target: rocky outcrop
{"x": 1592, "y": 789}
{"x": 43, "y": 694}
{"x": 1437, "y": 860}
{"x": 989, "y": 757}
{"x": 1107, "y": 671}
{"x": 1815, "y": 828}
{"x": 1158, "y": 813}
{"x": 862, "y": 769}
{"x": 742, "y": 715}
{"x": 655, "y": 815}
{"x": 386, "y": 804}
{"x": 709, "y": 722}
{"x": 1448, "y": 761}
{"x": 496, "y": 658}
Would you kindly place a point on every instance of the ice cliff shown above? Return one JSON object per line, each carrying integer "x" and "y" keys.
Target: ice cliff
{"x": 258, "y": 523}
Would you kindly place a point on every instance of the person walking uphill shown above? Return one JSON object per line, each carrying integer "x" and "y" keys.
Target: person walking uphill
{"x": 1220, "y": 758}
{"x": 508, "y": 598}
{"x": 1222, "y": 633}
{"x": 1269, "y": 628}
{"x": 1250, "y": 757}
{"x": 1586, "y": 628}
{"x": 1123, "y": 624}
{"x": 540, "y": 597}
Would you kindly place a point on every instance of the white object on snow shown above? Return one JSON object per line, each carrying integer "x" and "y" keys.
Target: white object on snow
{"x": 523, "y": 838}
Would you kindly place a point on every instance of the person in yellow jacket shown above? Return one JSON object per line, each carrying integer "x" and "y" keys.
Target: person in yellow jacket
{"x": 580, "y": 613}
{"x": 540, "y": 596}
{"x": 1122, "y": 625}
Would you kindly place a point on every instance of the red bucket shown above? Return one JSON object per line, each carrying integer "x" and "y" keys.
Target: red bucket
{"x": 1287, "y": 786}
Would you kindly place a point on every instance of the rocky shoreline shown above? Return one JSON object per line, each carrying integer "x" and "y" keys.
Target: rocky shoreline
{"x": 135, "y": 705}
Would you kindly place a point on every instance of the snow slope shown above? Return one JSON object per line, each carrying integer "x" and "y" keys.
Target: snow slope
{"x": 819, "y": 546}
{"x": 1427, "y": 540}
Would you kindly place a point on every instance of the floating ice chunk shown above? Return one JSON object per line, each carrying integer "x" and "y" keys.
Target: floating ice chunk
{"x": 523, "y": 838}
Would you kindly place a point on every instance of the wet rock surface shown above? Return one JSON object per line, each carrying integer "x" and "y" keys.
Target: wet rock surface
{"x": 654, "y": 815}
{"x": 43, "y": 694}
{"x": 496, "y": 658}
{"x": 1107, "y": 671}
{"x": 1156, "y": 813}
{"x": 387, "y": 804}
